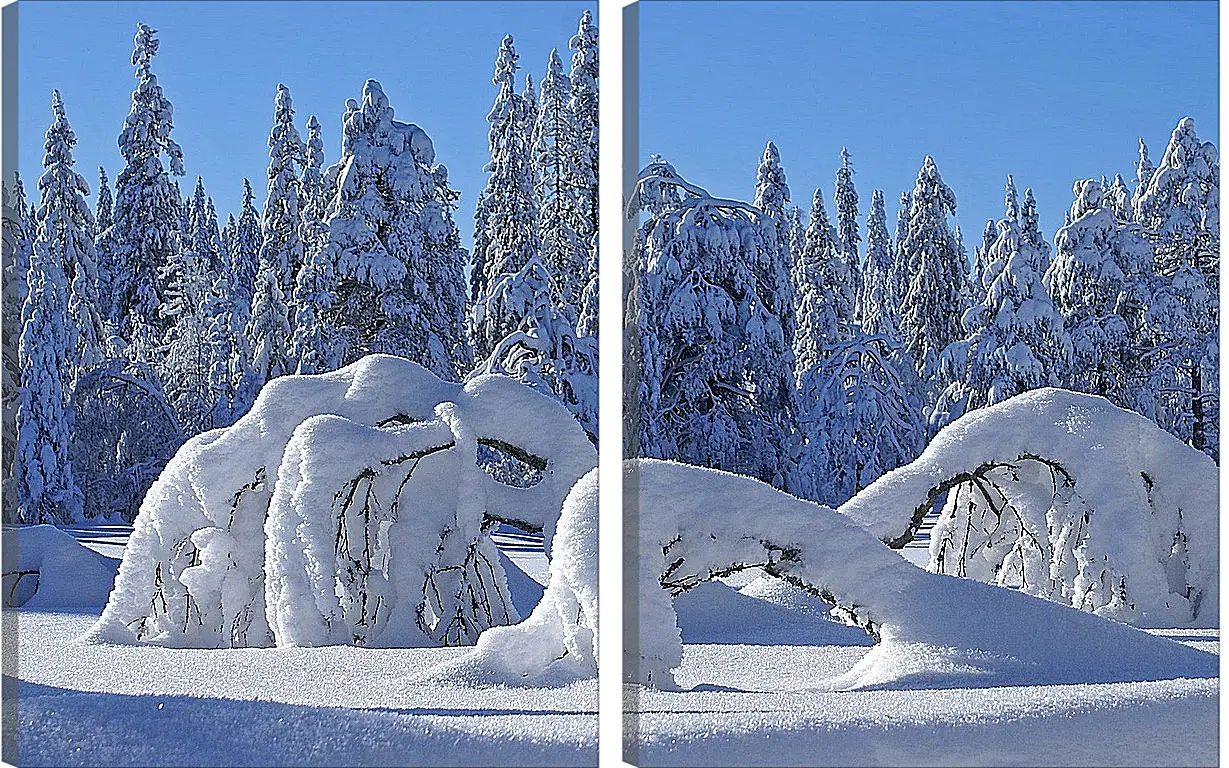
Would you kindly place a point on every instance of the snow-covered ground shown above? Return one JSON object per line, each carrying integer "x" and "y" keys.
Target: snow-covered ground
{"x": 94, "y": 704}
{"x": 755, "y": 695}
{"x": 752, "y": 682}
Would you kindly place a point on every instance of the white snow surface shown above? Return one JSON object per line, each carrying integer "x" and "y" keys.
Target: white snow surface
{"x": 752, "y": 694}
{"x": 748, "y": 705}
{"x": 934, "y": 630}
{"x": 1102, "y": 509}
{"x": 85, "y": 703}
{"x": 319, "y": 516}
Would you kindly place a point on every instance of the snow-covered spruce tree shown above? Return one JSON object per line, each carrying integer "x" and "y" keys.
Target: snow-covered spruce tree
{"x": 967, "y": 293}
{"x": 1179, "y": 212}
{"x": 223, "y": 387}
{"x": 439, "y": 282}
{"x": 510, "y": 228}
{"x": 847, "y": 234}
{"x": 314, "y": 197}
{"x": 202, "y": 234}
{"x": 1180, "y": 365}
{"x": 561, "y": 218}
{"x": 843, "y": 374}
{"x": 775, "y": 271}
{"x": 1014, "y": 336}
{"x": 392, "y": 249}
{"x": 226, "y": 240}
{"x": 1143, "y": 176}
{"x": 311, "y": 282}
{"x": 1030, "y": 224}
{"x": 718, "y": 378}
{"x": 66, "y": 227}
{"x": 795, "y": 232}
{"x": 864, "y": 418}
{"x": 104, "y": 210}
{"x": 1095, "y": 258}
{"x": 1119, "y": 196}
{"x": 900, "y": 269}
{"x": 981, "y": 255}
{"x": 46, "y": 489}
{"x": 268, "y": 332}
{"x": 584, "y": 108}
{"x": 282, "y": 247}
{"x": 530, "y": 97}
{"x": 878, "y": 304}
{"x": 546, "y": 352}
{"x": 313, "y": 294}
{"x": 18, "y": 242}
{"x": 245, "y": 247}
{"x": 931, "y": 308}
{"x": 818, "y": 269}
{"x": 771, "y": 189}
{"x": 244, "y": 265}
{"x": 214, "y": 233}
{"x": 1172, "y": 207}
{"x": 187, "y": 360}
{"x": 145, "y": 233}
{"x": 587, "y": 322}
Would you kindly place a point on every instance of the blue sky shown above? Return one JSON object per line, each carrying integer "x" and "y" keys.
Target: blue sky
{"x": 220, "y": 63}
{"x": 1047, "y": 91}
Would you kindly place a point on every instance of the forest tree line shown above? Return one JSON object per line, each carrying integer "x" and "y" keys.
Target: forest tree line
{"x": 138, "y": 322}
{"x": 765, "y": 339}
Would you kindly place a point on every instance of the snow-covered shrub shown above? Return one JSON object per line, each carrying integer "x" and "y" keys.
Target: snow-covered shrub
{"x": 346, "y": 507}
{"x": 1067, "y": 497}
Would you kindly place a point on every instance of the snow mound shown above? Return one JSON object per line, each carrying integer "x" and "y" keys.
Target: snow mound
{"x": 54, "y": 570}
{"x": 1067, "y": 497}
{"x": 933, "y": 630}
{"x": 347, "y": 507}
{"x": 557, "y": 644}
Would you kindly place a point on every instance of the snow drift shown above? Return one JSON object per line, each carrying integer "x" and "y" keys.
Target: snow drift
{"x": 931, "y": 630}
{"x": 54, "y": 570}
{"x": 347, "y": 507}
{"x": 1067, "y": 497}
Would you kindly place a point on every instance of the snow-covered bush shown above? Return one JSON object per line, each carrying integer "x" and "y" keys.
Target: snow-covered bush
{"x": 1067, "y": 497}
{"x": 347, "y": 507}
